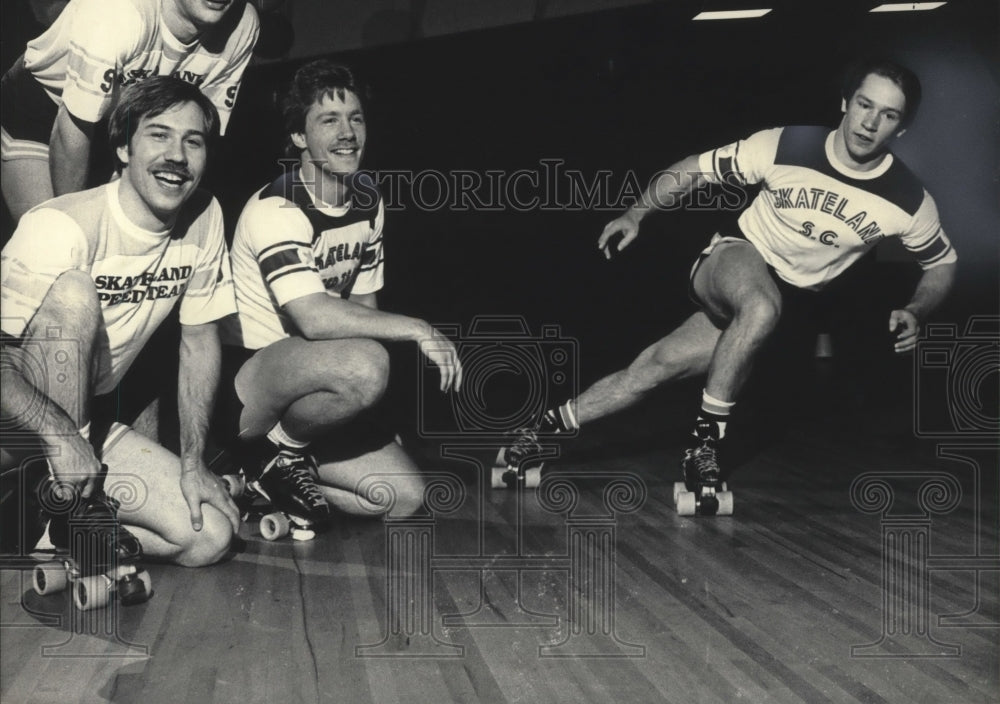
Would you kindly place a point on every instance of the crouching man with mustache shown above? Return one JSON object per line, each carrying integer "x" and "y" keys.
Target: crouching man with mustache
{"x": 86, "y": 280}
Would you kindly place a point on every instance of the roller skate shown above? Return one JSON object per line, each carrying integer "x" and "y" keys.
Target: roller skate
{"x": 286, "y": 484}
{"x": 702, "y": 492}
{"x": 99, "y": 560}
{"x": 514, "y": 464}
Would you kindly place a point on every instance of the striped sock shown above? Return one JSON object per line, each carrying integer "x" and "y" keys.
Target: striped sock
{"x": 279, "y": 437}
{"x": 715, "y": 411}
{"x": 560, "y": 420}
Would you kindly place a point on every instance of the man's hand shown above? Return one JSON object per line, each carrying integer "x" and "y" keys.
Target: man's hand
{"x": 74, "y": 464}
{"x": 906, "y": 326}
{"x": 441, "y": 351}
{"x": 199, "y": 486}
{"x": 626, "y": 224}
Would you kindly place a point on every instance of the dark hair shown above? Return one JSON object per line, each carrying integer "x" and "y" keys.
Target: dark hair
{"x": 897, "y": 73}
{"x": 149, "y": 98}
{"x": 309, "y": 84}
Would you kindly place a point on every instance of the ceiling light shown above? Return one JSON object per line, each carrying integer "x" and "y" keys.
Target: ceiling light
{"x": 731, "y": 14}
{"x": 907, "y": 6}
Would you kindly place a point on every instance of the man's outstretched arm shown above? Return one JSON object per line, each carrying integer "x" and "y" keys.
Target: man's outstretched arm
{"x": 670, "y": 185}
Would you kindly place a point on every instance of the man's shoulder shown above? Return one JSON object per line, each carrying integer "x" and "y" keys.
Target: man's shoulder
{"x": 86, "y": 208}
{"x": 273, "y": 210}
{"x": 801, "y": 145}
{"x": 901, "y": 186}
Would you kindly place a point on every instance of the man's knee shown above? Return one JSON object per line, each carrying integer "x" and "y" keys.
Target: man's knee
{"x": 409, "y": 498}
{"x": 759, "y": 312}
{"x": 210, "y": 544}
{"x": 71, "y": 304}
{"x": 366, "y": 370}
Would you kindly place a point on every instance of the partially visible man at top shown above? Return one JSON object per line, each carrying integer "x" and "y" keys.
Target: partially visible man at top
{"x": 69, "y": 79}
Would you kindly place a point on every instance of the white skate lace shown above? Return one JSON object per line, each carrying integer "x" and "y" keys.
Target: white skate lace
{"x": 298, "y": 471}
{"x": 705, "y": 462}
{"x": 525, "y": 444}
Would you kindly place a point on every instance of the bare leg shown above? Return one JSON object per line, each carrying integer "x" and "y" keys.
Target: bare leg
{"x": 145, "y": 477}
{"x": 25, "y": 184}
{"x": 57, "y": 364}
{"x": 67, "y": 334}
{"x": 683, "y": 353}
{"x": 310, "y": 386}
{"x": 736, "y": 287}
{"x": 352, "y": 486}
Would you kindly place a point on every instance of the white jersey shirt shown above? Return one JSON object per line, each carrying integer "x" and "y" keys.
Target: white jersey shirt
{"x": 287, "y": 247}
{"x": 139, "y": 275}
{"x": 97, "y": 46}
{"x": 814, "y": 216}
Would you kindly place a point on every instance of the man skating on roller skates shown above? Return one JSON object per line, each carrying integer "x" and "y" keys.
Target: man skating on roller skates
{"x": 826, "y": 199}
{"x": 78, "y": 310}
{"x": 307, "y": 263}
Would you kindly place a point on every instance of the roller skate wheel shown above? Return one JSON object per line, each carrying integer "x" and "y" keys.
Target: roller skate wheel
{"x": 303, "y": 534}
{"x": 500, "y": 477}
{"x": 725, "y": 502}
{"x": 532, "y": 478}
{"x": 235, "y": 484}
{"x": 274, "y": 526}
{"x": 91, "y": 593}
{"x": 723, "y": 487}
{"x": 686, "y": 503}
{"x": 678, "y": 488}
{"x": 49, "y": 578}
{"x": 135, "y": 588}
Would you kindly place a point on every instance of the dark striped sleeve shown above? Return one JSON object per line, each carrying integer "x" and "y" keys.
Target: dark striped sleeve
{"x": 926, "y": 239}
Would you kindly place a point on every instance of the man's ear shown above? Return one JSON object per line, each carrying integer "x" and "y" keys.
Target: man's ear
{"x": 843, "y": 105}
{"x": 299, "y": 140}
{"x": 122, "y": 153}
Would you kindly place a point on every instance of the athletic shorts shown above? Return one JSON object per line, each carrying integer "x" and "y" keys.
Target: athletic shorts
{"x": 784, "y": 287}
{"x": 27, "y": 114}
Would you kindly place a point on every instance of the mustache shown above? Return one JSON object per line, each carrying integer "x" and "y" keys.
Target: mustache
{"x": 181, "y": 171}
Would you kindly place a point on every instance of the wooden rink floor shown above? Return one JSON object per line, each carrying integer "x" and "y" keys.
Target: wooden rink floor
{"x": 597, "y": 593}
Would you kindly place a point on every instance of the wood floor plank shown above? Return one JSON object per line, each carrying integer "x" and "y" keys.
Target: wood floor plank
{"x": 763, "y": 606}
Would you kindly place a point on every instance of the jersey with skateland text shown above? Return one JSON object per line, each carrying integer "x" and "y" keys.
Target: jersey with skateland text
{"x": 815, "y": 216}
{"x": 287, "y": 246}
{"x": 96, "y": 46}
{"x": 139, "y": 275}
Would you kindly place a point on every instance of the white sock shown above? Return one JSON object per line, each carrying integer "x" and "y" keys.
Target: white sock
{"x": 279, "y": 437}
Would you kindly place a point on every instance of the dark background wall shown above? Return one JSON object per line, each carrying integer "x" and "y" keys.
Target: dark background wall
{"x": 629, "y": 90}
{"x": 634, "y": 89}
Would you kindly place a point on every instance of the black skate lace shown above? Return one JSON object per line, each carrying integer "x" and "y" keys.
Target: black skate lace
{"x": 705, "y": 462}
{"x": 300, "y": 474}
{"x": 525, "y": 444}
